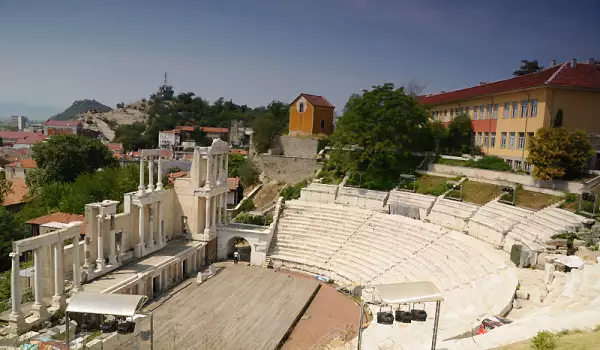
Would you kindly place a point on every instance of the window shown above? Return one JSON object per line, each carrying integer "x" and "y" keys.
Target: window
{"x": 517, "y": 164}
{"x": 506, "y": 109}
{"x": 467, "y": 110}
{"x": 509, "y": 162}
{"x": 495, "y": 111}
{"x": 534, "y": 107}
{"x": 503, "y": 140}
{"x": 479, "y": 138}
{"x": 492, "y": 139}
{"x": 322, "y": 124}
{"x": 25, "y": 171}
{"x": 515, "y": 110}
{"x": 485, "y": 139}
{"x": 301, "y": 107}
{"x": 481, "y": 116}
{"x": 475, "y": 110}
{"x": 521, "y": 140}
{"x": 451, "y": 113}
{"x": 445, "y": 115}
{"x": 524, "y": 109}
{"x": 488, "y": 112}
{"x": 511, "y": 141}
{"x": 527, "y": 167}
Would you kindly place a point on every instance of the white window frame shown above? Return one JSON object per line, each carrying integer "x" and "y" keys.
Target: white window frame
{"x": 486, "y": 138}
{"x": 534, "y": 107}
{"x": 503, "y": 138}
{"x": 475, "y": 112}
{"x": 521, "y": 140}
{"x": 492, "y": 139}
{"x": 524, "y": 108}
{"x": 515, "y": 110}
{"x": 511, "y": 140}
{"x": 506, "y": 110}
{"x": 495, "y": 115}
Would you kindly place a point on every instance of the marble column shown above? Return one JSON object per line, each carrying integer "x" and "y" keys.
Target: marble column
{"x": 226, "y": 166}
{"x": 218, "y": 160}
{"x": 142, "y": 221}
{"x": 112, "y": 255}
{"x": 207, "y": 217}
{"x": 214, "y": 212}
{"x": 161, "y": 238}
{"x": 208, "y": 169}
{"x": 17, "y": 319}
{"x": 150, "y": 174}
{"x": 58, "y": 299}
{"x": 218, "y": 205}
{"x": 39, "y": 306}
{"x": 87, "y": 264}
{"x": 76, "y": 266}
{"x": 214, "y": 170}
{"x": 159, "y": 184}
{"x": 100, "y": 263}
{"x": 224, "y": 203}
{"x": 151, "y": 225}
{"x": 141, "y": 187}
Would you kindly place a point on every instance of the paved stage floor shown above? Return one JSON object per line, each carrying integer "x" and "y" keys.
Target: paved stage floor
{"x": 241, "y": 307}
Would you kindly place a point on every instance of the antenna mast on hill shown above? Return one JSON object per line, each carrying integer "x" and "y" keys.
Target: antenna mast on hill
{"x": 165, "y": 79}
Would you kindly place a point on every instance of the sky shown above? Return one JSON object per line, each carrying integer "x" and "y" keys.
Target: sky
{"x": 256, "y": 51}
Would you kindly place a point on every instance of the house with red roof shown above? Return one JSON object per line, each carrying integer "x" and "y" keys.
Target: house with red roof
{"x": 506, "y": 113}
{"x": 311, "y": 115}
{"x": 19, "y": 168}
{"x": 62, "y": 127}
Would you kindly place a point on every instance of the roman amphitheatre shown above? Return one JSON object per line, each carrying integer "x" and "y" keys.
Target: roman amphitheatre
{"x": 359, "y": 240}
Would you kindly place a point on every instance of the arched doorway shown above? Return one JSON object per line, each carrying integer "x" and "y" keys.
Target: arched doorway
{"x": 242, "y": 246}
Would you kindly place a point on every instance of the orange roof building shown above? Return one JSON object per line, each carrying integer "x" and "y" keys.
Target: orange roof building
{"x": 311, "y": 115}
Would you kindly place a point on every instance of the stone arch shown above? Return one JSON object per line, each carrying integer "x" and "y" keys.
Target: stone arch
{"x": 242, "y": 246}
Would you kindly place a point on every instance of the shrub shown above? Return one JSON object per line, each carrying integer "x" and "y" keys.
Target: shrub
{"x": 120, "y": 105}
{"x": 293, "y": 192}
{"x": 570, "y": 197}
{"x": 321, "y": 144}
{"x": 544, "y": 340}
{"x": 247, "y": 205}
{"x": 490, "y": 163}
{"x": 246, "y": 218}
{"x": 248, "y": 173}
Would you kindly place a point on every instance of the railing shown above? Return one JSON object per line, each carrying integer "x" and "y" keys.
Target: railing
{"x": 26, "y": 296}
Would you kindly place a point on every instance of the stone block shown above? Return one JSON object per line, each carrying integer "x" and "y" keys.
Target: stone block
{"x": 548, "y": 273}
{"x": 559, "y": 242}
{"x": 521, "y": 294}
{"x": 541, "y": 258}
{"x": 578, "y": 243}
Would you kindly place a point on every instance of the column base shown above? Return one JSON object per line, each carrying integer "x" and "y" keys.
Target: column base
{"x": 40, "y": 312}
{"x": 17, "y": 324}
{"x": 100, "y": 264}
{"x": 76, "y": 289}
{"x": 112, "y": 260}
{"x": 59, "y": 301}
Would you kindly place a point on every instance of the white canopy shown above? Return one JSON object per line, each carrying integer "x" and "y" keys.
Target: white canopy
{"x": 106, "y": 304}
{"x": 408, "y": 292}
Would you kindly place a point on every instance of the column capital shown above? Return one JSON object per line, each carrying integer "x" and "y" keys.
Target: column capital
{"x": 14, "y": 255}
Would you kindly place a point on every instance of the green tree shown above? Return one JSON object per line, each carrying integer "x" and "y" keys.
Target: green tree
{"x": 248, "y": 173}
{"x": 459, "y": 134}
{"x": 5, "y": 187}
{"x": 11, "y": 230}
{"x": 377, "y": 132}
{"x": 132, "y": 137}
{"x": 557, "y": 153}
{"x": 64, "y": 157}
{"x": 265, "y": 130}
{"x": 234, "y": 164}
{"x": 528, "y": 67}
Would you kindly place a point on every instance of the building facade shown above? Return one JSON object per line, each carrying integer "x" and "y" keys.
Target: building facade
{"x": 311, "y": 115}
{"x": 505, "y": 114}
{"x": 62, "y": 127}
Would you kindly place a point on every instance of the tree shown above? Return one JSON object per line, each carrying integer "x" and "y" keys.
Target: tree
{"x": 377, "y": 132}
{"x": 248, "y": 173}
{"x": 64, "y": 157}
{"x": 11, "y": 230}
{"x": 5, "y": 187}
{"x": 558, "y": 120}
{"x": 557, "y": 153}
{"x": 414, "y": 88}
{"x": 266, "y": 129}
{"x": 234, "y": 164}
{"x": 132, "y": 137}
{"x": 459, "y": 134}
{"x": 528, "y": 67}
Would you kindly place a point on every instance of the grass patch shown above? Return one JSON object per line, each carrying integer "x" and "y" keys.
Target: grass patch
{"x": 534, "y": 200}
{"x": 433, "y": 185}
{"x": 455, "y": 162}
{"x": 479, "y": 192}
{"x": 566, "y": 340}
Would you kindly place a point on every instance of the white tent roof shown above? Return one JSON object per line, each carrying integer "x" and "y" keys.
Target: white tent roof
{"x": 106, "y": 304}
{"x": 408, "y": 292}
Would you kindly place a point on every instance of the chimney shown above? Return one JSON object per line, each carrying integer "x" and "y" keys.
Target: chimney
{"x": 574, "y": 63}
{"x": 591, "y": 61}
{"x": 553, "y": 63}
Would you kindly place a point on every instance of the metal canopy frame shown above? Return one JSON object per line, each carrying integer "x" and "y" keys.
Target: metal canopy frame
{"x": 454, "y": 186}
{"x": 405, "y": 179}
{"x": 406, "y": 293}
{"x": 588, "y": 194}
{"x": 125, "y": 305}
{"x": 508, "y": 188}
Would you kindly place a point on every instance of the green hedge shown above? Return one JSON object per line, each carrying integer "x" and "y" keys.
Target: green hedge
{"x": 293, "y": 192}
{"x": 246, "y": 218}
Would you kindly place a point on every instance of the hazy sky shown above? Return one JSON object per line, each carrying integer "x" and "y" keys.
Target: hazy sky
{"x": 255, "y": 51}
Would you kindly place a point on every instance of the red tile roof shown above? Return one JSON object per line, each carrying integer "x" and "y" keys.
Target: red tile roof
{"x": 211, "y": 129}
{"x": 65, "y": 218}
{"x": 173, "y": 176}
{"x": 24, "y": 163}
{"x": 185, "y": 128}
{"x": 50, "y": 122}
{"x": 115, "y": 146}
{"x": 19, "y": 191}
{"x": 30, "y": 139}
{"x": 316, "y": 100}
{"x": 15, "y": 135}
{"x": 582, "y": 76}
{"x": 242, "y": 152}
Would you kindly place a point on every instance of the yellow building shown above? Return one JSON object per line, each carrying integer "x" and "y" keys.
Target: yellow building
{"x": 311, "y": 115}
{"x": 506, "y": 113}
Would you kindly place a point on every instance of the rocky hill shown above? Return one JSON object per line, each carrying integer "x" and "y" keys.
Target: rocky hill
{"x": 107, "y": 122}
{"x": 81, "y": 107}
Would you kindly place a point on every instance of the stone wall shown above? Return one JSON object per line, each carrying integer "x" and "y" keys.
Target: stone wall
{"x": 361, "y": 197}
{"x": 528, "y": 182}
{"x": 321, "y": 193}
{"x": 299, "y": 147}
{"x": 287, "y": 169}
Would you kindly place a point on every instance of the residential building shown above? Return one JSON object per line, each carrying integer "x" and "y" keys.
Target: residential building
{"x": 169, "y": 139}
{"x": 19, "y": 121}
{"x": 19, "y": 169}
{"x": 514, "y": 109}
{"x": 234, "y": 196}
{"x": 15, "y": 200}
{"x": 311, "y": 115}
{"x": 239, "y": 133}
{"x": 55, "y": 221}
{"x": 62, "y": 127}
{"x": 28, "y": 141}
{"x": 9, "y": 138}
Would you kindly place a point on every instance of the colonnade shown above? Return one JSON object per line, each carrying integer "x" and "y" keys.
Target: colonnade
{"x": 156, "y": 206}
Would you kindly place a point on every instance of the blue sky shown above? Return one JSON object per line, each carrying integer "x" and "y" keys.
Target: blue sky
{"x": 255, "y": 51}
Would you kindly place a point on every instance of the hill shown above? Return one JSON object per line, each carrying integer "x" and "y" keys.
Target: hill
{"x": 80, "y": 107}
{"x": 107, "y": 122}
